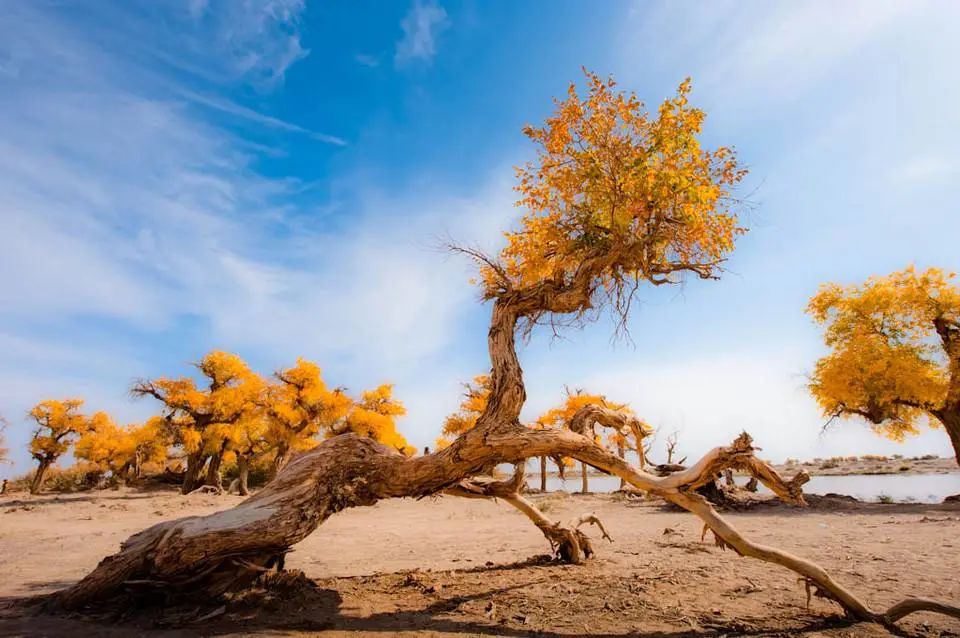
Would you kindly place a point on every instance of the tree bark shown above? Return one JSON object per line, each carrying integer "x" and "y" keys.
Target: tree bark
{"x": 951, "y": 423}
{"x": 243, "y": 469}
{"x": 621, "y": 452}
{"x": 37, "y": 481}
{"x": 543, "y": 474}
{"x": 584, "y": 481}
{"x": 279, "y": 459}
{"x": 195, "y": 463}
{"x": 208, "y": 555}
{"x": 214, "y": 477}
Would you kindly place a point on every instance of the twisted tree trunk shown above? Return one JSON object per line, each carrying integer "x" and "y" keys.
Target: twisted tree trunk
{"x": 208, "y": 555}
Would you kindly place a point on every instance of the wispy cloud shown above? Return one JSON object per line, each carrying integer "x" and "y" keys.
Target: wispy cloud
{"x": 238, "y": 110}
{"x": 758, "y": 51}
{"x": 423, "y": 23}
{"x": 365, "y": 59}
{"x": 124, "y": 205}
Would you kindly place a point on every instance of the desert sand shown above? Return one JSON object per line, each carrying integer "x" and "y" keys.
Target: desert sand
{"x": 453, "y": 567}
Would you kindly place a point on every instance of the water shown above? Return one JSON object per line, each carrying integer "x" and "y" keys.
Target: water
{"x": 902, "y": 488}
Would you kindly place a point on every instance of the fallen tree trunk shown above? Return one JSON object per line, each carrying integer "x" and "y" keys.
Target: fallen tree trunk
{"x": 212, "y": 554}
{"x": 208, "y": 555}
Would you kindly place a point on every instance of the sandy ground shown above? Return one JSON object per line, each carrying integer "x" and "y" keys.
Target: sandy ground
{"x": 451, "y": 567}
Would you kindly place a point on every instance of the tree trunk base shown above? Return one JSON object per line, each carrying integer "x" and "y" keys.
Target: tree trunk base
{"x": 203, "y": 557}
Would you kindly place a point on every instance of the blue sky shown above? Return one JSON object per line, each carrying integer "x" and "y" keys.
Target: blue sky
{"x": 273, "y": 178}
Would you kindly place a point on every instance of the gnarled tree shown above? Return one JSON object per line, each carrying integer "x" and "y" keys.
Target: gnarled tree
{"x": 59, "y": 424}
{"x": 200, "y": 420}
{"x": 300, "y": 407}
{"x": 617, "y": 198}
{"x": 573, "y": 406}
{"x": 895, "y": 356}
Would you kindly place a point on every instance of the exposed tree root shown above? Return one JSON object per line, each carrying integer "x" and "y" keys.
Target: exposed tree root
{"x": 568, "y": 543}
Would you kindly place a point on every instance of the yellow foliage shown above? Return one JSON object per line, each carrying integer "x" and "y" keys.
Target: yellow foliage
{"x": 636, "y": 195}
{"x": 300, "y": 406}
{"x": 204, "y": 420}
{"x": 887, "y": 362}
{"x": 375, "y": 416}
{"x": 110, "y": 447}
{"x": 474, "y": 402}
{"x": 561, "y": 415}
{"x": 59, "y": 424}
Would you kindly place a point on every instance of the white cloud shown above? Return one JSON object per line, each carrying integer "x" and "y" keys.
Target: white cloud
{"x": 421, "y": 26}
{"x": 232, "y": 108}
{"x": 757, "y": 52}
{"x": 118, "y": 204}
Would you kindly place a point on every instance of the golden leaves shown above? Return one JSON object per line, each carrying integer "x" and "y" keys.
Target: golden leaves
{"x": 611, "y": 182}
{"x": 887, "y": 364}
{"x": 59, "y": 423}
{"x": 475, "y": 396}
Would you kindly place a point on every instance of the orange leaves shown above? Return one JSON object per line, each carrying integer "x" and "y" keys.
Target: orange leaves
{"x": 611, "y": 183}
{"x": 887, "y": 363}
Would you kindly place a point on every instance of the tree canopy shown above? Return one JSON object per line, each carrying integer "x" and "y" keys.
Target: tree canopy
{"x": 616, "y": 197}
{"x": 59, "y": 424}
{"x": 895, "y": 351}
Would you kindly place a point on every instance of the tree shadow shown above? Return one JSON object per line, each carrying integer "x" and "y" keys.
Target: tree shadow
{"x": 310, "y": 608}
{"x": 44, "y": 500}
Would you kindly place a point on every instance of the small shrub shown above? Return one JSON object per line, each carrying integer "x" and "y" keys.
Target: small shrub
{"x": 829, "y": 464}
{"x": 76, "y": 478}
{"x": 903, "y": 468}
{"x": 929, "y": 457}
{"x": 552, "y": 501}
{"x": 886, "y": 499}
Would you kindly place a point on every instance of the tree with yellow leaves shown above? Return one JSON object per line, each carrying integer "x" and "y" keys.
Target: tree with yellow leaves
{"x": 59, "y": 424}
{"x": 299, "y": 407}
{"x": 123, "y": 451}
{"x": 474, "y": 402}
{"x": 201, "y": 419}
{"x": 895, "y": 352}
{"x": 615, "y": 199}
{"x": 563, "y": 416}
{"x": 249, "y": 441}
{"x": 375, "y": 416}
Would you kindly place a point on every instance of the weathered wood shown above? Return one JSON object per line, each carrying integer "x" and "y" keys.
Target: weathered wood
{"x": 208, "y": 555}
